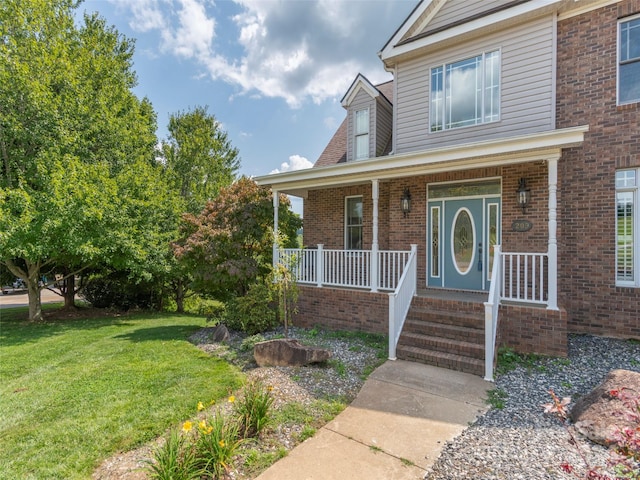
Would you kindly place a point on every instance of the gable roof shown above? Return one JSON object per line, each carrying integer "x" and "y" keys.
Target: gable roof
{"x": 360, "y": 83}
{"x": 415, "y": 33}
{"x": 336, "y": 150}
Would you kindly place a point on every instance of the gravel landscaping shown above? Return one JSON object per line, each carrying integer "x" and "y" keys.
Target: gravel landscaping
{"x": 519, "y": 441}
{"x": 514, "y": 440}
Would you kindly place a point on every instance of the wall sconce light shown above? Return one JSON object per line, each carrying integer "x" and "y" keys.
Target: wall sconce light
{"x": 405, "y": 202}
{"x": 523, "y": 195}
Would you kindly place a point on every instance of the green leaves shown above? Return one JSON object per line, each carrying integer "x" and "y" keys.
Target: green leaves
{"x": 230, "y": 243}
{"x": 198, "y": 157}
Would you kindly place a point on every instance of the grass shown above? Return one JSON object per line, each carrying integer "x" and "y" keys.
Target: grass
{"x": 497, "y": 398}
{"x": 75, "y": 391}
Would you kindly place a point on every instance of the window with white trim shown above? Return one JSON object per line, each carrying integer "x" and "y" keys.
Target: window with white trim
{"x": 362, "y": 134}
{"x": 629, "y": 61}
{"x": 466, "y": 92}
{"x": 627, "y": 228}
{"x": 353, "y": 223}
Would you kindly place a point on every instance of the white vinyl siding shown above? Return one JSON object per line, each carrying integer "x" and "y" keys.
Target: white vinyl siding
{"x": 455, "y": 10}
{"x": 629, "y": 61}
{"x": 384, "y": 126}
{"x": 627, "y": 228}
{"x": 527, "y": 89}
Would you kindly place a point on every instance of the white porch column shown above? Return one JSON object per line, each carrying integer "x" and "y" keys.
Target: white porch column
{"x": 552, "y": 253}
{"x": 374, "y": 242}
{"x": 276, "y": 204}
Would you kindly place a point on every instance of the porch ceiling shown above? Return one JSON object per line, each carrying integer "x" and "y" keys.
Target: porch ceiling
{"x": 506, "y": 151}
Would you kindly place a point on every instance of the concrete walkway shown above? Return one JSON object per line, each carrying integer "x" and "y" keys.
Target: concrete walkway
{"x": 394, "y": 429}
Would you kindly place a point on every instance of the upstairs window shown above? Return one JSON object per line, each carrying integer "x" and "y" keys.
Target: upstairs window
{"x": 362, "y": 134}
{"x": 465, "y": 93}
{"x": 627, "y": 228}
{"x": 353, "y": 223}
{"x": 629, "y": 61}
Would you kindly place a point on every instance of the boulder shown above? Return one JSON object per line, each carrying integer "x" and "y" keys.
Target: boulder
{"x": 220, "y": 333}
{"x": 599, "y": 415}
{"x": 287, "y": 353}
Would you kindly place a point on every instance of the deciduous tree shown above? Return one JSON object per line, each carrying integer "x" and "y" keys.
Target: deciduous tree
{"x": 230, "y": 244}
{"x": 71, "y": 132}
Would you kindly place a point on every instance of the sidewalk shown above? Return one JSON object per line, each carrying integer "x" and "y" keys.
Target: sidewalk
{"x": 394, "y": 429}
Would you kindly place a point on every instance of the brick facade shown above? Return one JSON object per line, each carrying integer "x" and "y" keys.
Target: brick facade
{"x": 586, "y": 94}
{"x": 589, "y": 300}
{"x": 353, "y": 310}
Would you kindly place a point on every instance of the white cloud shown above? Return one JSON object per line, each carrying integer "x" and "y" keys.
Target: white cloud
{"x": 295, "y": 50}
{"x": 296, "y": 162}
{"x": 193, "y": 35}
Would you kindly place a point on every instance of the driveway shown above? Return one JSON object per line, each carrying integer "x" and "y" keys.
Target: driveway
{"x": 20, "y": 298}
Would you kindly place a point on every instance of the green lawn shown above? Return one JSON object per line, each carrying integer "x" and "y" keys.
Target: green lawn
{"x": 73, "y": 392}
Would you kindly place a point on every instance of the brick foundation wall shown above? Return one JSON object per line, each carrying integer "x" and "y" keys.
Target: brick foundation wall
{"x": 533, "y": 330}
{"x": 586, "y": 94}
{"x": 341, "y": 309}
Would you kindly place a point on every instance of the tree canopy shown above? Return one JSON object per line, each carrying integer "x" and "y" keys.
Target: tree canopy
{"x": 198, "y": 157}
{"x": 230, "y": 243}
{"x": 72, "y": 136}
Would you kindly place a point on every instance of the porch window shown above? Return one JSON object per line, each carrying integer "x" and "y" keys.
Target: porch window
{"x": 362, "y": 134}
{"x": 353, "y": 223}
{"x": 629, "y": 61}
{"x": 627, "y": 216}
{"x": 466, "y": 92}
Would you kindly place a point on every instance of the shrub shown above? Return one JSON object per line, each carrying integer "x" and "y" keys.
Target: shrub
{"x": 175, "y": 460}
{"x": 253, "y": 409}
{"x": 118, "y": 291}
{"x": 249, "y": 342}
{"x": 253, "y": 313}
{"x": 212, "y": 310}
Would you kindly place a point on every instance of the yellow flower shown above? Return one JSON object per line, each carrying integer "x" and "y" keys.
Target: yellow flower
{"x": 232, "y": 399}
{"x": 202, "y": 425}
{"x": 209, "y": 430}
{"x": 270, "y": 388}
{"x": 221, "y": 443}
{"x": 187, "y": 426}
{"x": 213, "y": 402}
{"x": 200, "y": 406}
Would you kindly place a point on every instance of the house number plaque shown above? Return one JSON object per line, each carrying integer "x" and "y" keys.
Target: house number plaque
{"x": 521, "y": 226}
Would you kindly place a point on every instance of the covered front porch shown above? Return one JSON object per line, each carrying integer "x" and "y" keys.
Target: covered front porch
{"x": 380, "y": 280}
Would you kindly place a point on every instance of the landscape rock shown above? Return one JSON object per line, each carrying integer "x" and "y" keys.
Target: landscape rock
{"x": 220, "y": 334}
{"x": 288, "y": 353}
{"x": 598, "y": 415}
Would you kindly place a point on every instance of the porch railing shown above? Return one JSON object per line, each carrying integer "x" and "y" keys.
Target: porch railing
{"x": 524, "y": 277}
{"x": 345, "y": 268}
{"x": 517, "y": 278}
{"x": 491, "y": 307}
{"x": 400, "y": 300}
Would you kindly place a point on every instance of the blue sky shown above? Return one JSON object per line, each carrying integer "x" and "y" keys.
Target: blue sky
{"x": 272, "y": 72}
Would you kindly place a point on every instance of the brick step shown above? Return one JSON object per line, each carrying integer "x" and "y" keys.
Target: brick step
{"x": 472, "y": 305}
{"x": 441, "y": 359}
{"x": 456, "y": 317}
{"x": 444, "y": 345}
{"x": 444, "y": 330}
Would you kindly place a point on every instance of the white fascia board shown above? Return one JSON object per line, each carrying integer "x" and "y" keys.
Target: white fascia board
{"x": 360, "y": 82}
{"x": 468, "y": 27}
{"x": 405, "y": 27}
{"x": 522, "y": 149}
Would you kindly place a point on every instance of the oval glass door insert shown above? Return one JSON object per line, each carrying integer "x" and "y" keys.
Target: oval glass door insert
{"x": 463, "y": 241}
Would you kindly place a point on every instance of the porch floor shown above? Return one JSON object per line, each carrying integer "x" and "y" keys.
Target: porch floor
{"x": 455, "y": 295}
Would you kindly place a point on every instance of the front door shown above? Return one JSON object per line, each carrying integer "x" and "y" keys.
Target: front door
{"x": 462, "y": 233}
